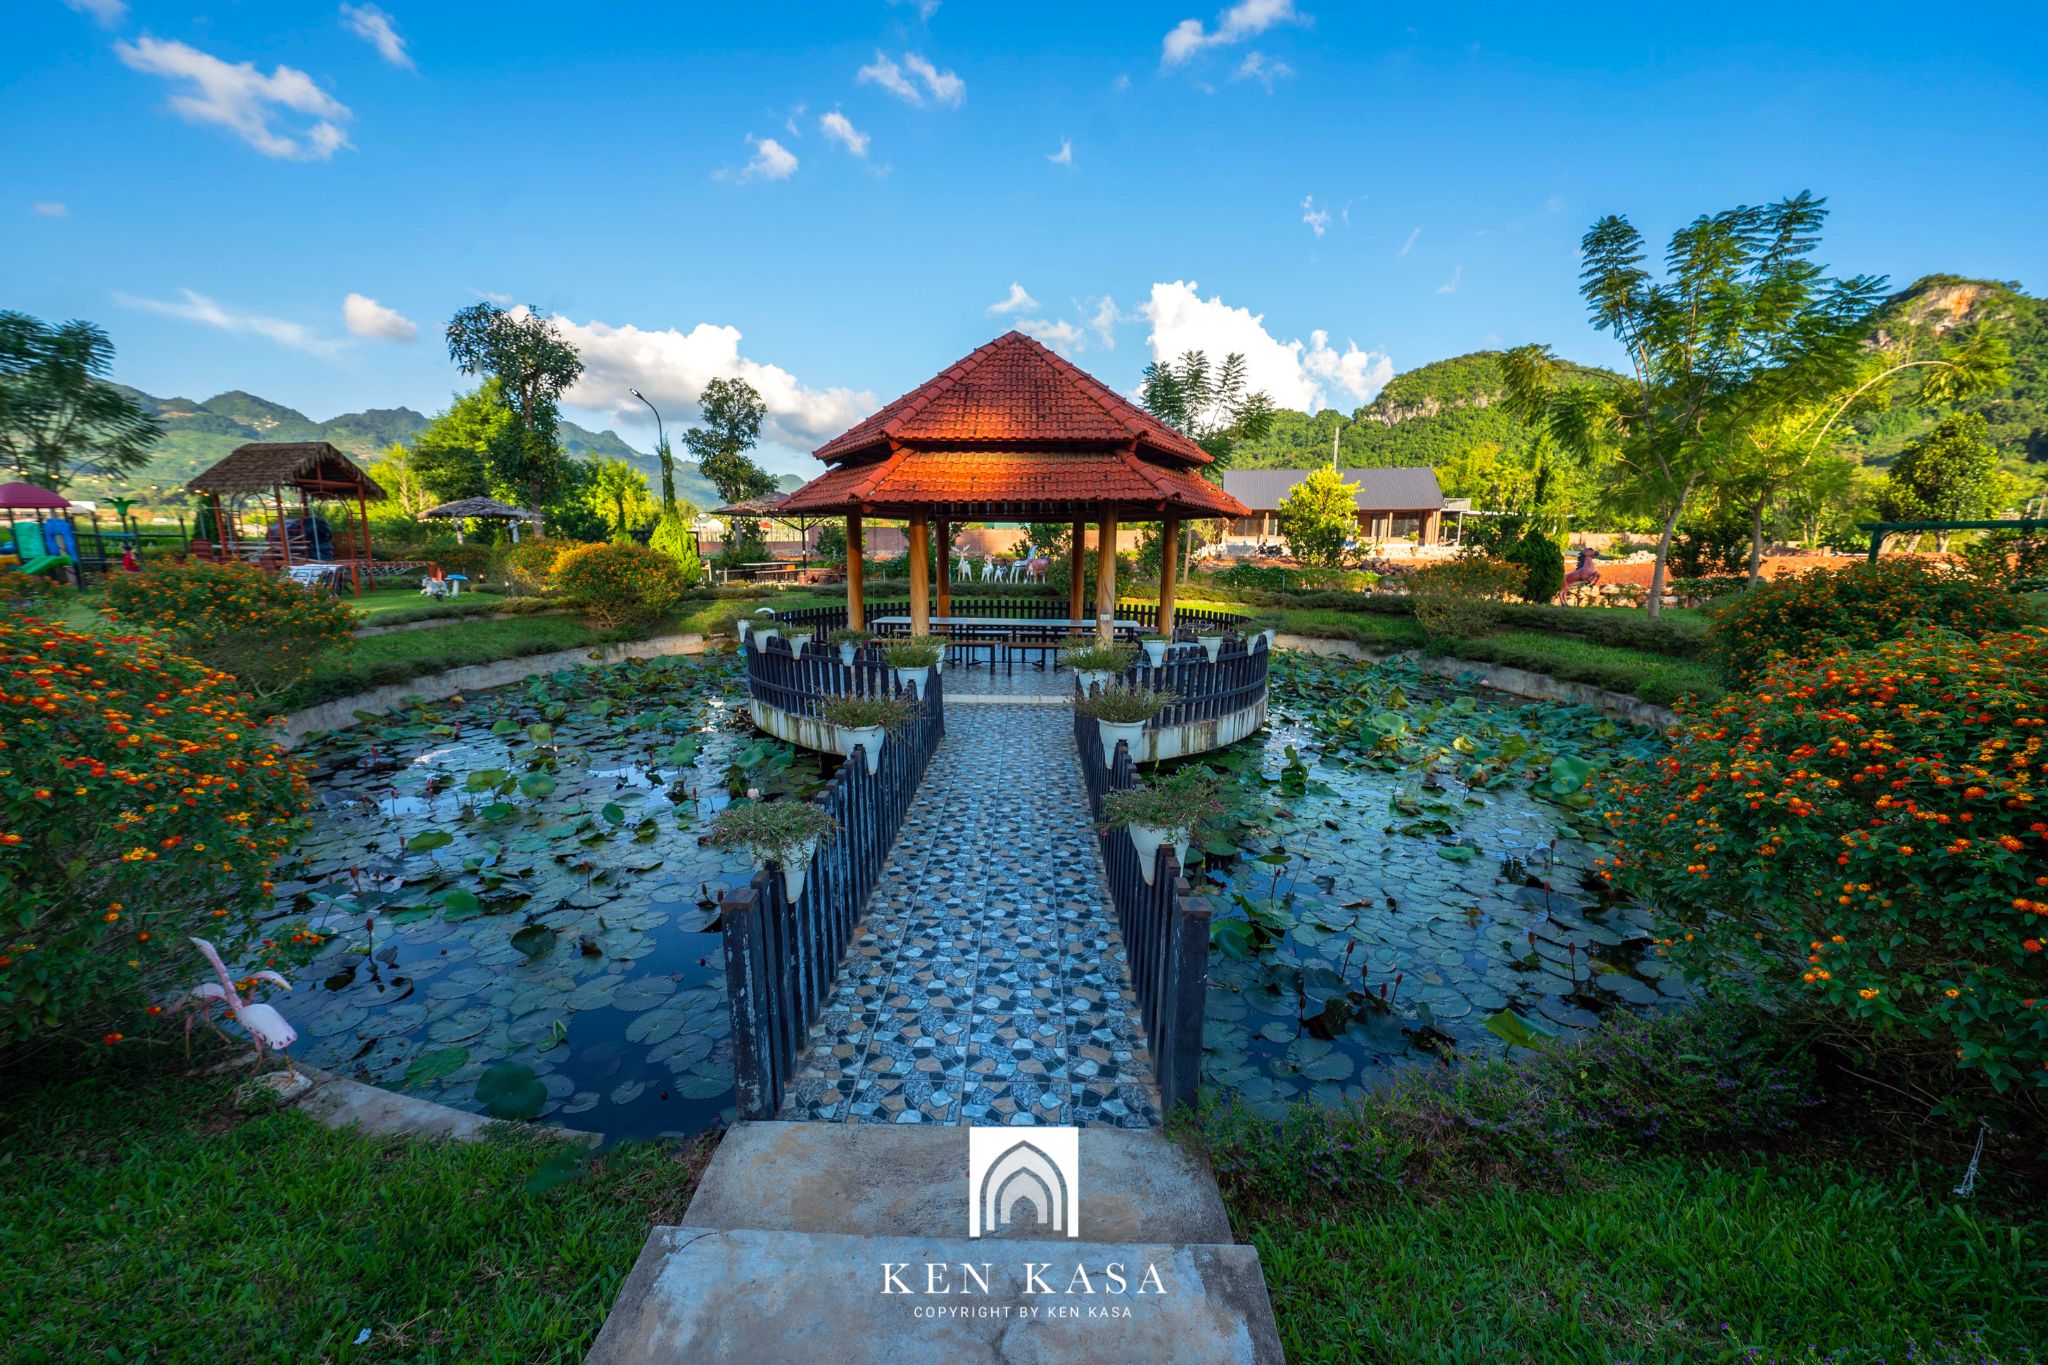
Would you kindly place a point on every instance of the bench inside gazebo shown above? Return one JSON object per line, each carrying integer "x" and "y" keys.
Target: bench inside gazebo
{"x": 1013, "y": 433}
{"x": 256, "y": 477}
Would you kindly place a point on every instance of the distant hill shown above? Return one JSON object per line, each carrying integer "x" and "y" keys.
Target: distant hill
{"x": 2017, "y": 413}
{"x": 198, "y": 434}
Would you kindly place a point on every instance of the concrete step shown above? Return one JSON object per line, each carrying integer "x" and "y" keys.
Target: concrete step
{"x": 705, "y": 1294}
{"x": 882, "y": 1179}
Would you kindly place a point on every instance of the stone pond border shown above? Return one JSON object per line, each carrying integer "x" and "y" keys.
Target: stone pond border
{"x": 340, "y": 1103}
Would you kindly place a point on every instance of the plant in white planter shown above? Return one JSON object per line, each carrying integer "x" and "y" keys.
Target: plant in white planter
{"x": 1120, "y": 714}
{"x": 850, "y": 643}
{"x": 911, "y": 660}
{"x": 798, "y": 637}
{"x": 1097, "y": 665}
{"x": 764, "y": 631}
{"x": 1212, "y": 641}
{"x": 785, "y": 833}
{"x": 1259, "y": 632}
{"x": 1163, "y": 813}
{"x": 861, "y": 722}
{"x": 1155, "y": 649}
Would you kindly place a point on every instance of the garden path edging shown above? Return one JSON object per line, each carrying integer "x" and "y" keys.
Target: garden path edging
{"x": 338, "y": 1102}
{"x": 1520, "y": 682}
{"x": 340, "y": 714}
{"x": 442, "y": 622}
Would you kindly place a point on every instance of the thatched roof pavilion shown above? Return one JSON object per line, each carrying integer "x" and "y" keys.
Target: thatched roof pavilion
{"x": 315, "y": 470}
{"x": 481, "y": 509}
{"x": 1014, "y": 433}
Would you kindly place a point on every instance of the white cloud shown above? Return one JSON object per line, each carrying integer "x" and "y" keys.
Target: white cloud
{"x": 1104, "y": 322}
{"x": 1295, "y": 374}
{"x": 1122, "y": 82}
{"x": 839, "y": 128}
{"x": 1450, "y": 286}
{"x": 1246, "y": 19}
{"x": 1409, "y": 245}
{"x": 108, "y": 12}
{"x": 1061, "y": 336}
{"x": 1317, "y": 219}
{"x": 1017, "y": 301}
{"x": 1065, "y": 155}
{"x": 49, "y": 208}
{"x": 672, "y": 367}
{"x": 794, "y": 123}
{"x": 925, "y": 8}
{"x": 772, "y": 161}
{"x": 1257, "y": 66}
{"x": 376, "y": 28}
{"x": 241, "y": 99}
{"x": 938, "y": 87}
{"x": 197, "y": 307}
{"x": 368, "y": 318}
{"x": 1554, "y": 204}
{"x": 492, "y": 296}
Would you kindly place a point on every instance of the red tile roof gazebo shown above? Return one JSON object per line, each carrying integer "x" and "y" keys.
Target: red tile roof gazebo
{"x": 1014, "y": 433}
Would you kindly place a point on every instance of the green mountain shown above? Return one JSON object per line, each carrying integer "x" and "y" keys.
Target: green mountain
{"x": 196, "y": 435}
{"x": 2017, "y": 413}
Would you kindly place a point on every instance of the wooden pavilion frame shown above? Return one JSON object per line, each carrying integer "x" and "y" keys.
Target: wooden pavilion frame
{"x": 315, "y": 470}
{"x": 1013, "y": 433}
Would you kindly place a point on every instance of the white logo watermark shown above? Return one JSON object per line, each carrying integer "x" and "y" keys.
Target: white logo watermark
{"x": 1029, "y": 1179}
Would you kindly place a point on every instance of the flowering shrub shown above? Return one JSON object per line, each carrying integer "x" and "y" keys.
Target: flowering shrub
{"x": 1821, "y": 612}
{"x": 264, "y": 630}
{"x": 138, "y": 804}
{"x": 1865, "y": 829}
{"x": 1462, "y": 597}
{"x": 619, "y": 585}
{"x": 529, "y": 566}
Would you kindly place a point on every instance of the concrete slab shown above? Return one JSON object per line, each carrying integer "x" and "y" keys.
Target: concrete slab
{"x": 1135, "y": 1185}
{"x": 339, "y": 1102}
{"x": 703, "y": 1295}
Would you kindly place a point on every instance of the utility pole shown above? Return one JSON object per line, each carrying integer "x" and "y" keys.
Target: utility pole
{"x": 661, "y": 452}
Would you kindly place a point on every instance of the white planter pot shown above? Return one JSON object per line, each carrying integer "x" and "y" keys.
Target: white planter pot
{"x": 1266, "y": 637}
{"x": 798, "y": 639}
{"x": 1092, "y": 677}
{"x": 795, "y": 872}
{"x": 763, "y": 634}
{"x": 916, "y": 678}
{"x": 1148, "y": 841}
{"x": 847, "y": 649}
{"x": 1212, "y": 643}
{"x": 1155, "y": 652}
{"x": 869, "y": 735}
{"x": 940, "y": 666}
{"x": 1131, "y": 732}
{"x": 742, "y": 627}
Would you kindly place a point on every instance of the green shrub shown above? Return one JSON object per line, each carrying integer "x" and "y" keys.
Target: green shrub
{"x": 772, "y": 831}
{"x": 861, "y": 713}
{"x": 1541, "y": 562}
{"x": 529, "y": 566}
{"x": 919, "y": 651}
{"x": 1865, "y": 830}
{"x": 1120, "y": 705}
{"x": 1825, "y": 611}
{"x": 672, "y": 537}
{"x": 265, "y": 630}
{"x": 1461, "y": 599}
{"x": 139, "y": 804}
{"x": 1181, "y": 803}
{"x": 619, "y": 585}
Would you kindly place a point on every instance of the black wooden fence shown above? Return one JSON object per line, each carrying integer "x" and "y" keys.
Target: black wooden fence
{"x": 1146, "y": 614}
{"x": 781, "y": 957}
{"x": 1202, "y": 690}
{"x": 1165, "y": 929}
{"x": 776, "y": 675}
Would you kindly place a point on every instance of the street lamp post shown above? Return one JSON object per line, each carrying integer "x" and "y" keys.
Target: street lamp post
{"x": 668, "y": 464}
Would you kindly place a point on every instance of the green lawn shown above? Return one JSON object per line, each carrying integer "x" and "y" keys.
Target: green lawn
{"x": 152, "y": 1221}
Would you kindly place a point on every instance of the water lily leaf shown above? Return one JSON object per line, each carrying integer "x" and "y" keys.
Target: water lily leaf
{"x": 512, "y": 1091}
{"x": 540, "y": 734}
{"x": 1515, "y": 1030}
{"x": 539, "y": 786}
{"x": 627, "y": 1091}
{"x": 433, "y": 1066}
{"x": 505, "y": 726}
{"x": 1458, "y": 853}
{"x": 484, "y": 779}
{"x": 614, "y": 812}
{"x": 534, "y": 940}
{"x": 458, "y": 904}
{"x": 426, "y": 841}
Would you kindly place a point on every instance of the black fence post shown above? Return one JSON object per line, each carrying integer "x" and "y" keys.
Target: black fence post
{"x": 753, "y": 1081}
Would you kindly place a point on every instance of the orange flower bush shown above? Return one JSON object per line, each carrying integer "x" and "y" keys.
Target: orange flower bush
{"x": 248, "y": 622}
{"x": 619, "y": 585}
{"x": 1868, "y": 830}
{"x": 1825, "y": 611}
{"x": 139, "y": 804}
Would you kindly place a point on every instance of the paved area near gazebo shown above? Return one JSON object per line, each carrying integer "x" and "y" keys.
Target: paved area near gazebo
{"x": 985, "y": 681}
{"x": 988, "y": 983}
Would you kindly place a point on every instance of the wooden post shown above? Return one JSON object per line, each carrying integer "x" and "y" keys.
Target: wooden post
{"x": 1079, "y": 571}
{"x": 856, "y": 608}
{"x": 1105, "y": 578}
{"x": 220, "y": 528}
{"x": 284, "y": 532}
{"x": 920, "y": 576}
{"x": 1169, "y": 570}
{"x": 945, "y": 532}
{"x": 362, "y": 520}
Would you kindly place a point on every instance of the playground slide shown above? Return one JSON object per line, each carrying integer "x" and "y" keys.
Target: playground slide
{"x": 46, "y": 562}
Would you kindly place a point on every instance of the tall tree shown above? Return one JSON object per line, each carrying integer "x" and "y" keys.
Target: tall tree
{"x": 534, "y": 366}
{"x": 618, "y": 493}
{"x": 1743, "y": 326}
{"x": 1946, "y": 475}
{"x": 1318, "y": 516}
{"x": 732, "y": 411}
{"x": 398, "y": 473}
{"x": 1213, "y": 406}
{"x": 456, "y": 454}
{"x": 58, "y": 416}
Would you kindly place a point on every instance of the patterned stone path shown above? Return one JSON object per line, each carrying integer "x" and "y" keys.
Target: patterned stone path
{"x": 988, "y": 983}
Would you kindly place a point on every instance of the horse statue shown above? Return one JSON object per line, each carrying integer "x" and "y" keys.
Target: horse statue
{"x": 1582, "y": 572}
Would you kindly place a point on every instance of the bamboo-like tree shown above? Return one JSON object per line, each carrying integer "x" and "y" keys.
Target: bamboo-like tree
{"x": 618, "y": 493}
{"x": 1743, "y": 327}
{"x": 1213, "y": 406}
{"x": 58, "y": 416}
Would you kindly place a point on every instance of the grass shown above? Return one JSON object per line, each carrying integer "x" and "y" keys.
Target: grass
{"x": 1655, "y": 678}
{"x": 152, "y": 1221}
{"x": 1659, "y": 1259}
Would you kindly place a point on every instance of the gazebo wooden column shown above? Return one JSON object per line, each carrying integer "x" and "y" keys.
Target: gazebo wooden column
{"x": 945, "y": 567}
{"x": 1078, "y": 583}
{"x": 1105, "y": 578}
{"x": 1169, "y": 570}
{"x": 920, "y": 576}
{"x": 856, "y": 607}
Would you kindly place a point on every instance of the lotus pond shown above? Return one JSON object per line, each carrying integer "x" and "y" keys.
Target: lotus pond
{"x": 521, "y": 917}
{"x": 1404, "y": 875}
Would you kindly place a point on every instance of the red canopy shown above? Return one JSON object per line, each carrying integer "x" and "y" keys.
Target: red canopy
{"x": 26, "y": 496}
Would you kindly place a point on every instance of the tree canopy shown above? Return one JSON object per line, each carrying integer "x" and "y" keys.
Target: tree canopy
{"x": 1318, "y": 516}
{"x": 58, "y": 416}
{"x": 732, "y": 411}
{"x": 533, "y": 366}
{"x": 1213, "y": 406}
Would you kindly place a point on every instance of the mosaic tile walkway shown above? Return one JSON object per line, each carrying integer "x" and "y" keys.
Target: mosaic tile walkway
{"x": 988, "y": 984}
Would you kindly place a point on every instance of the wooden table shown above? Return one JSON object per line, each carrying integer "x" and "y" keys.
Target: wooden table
{"x": 1009, "y": 634}
{"x": 1066, "y": 623}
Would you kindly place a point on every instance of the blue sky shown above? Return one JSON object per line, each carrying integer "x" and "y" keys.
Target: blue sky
{"x": 1342, "y": 191}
